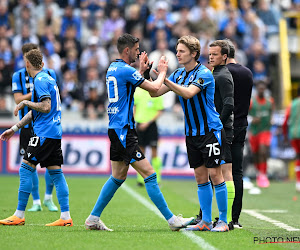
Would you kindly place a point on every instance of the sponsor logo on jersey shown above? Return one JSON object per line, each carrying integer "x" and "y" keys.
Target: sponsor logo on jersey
{"x": 14, "y": 86}
{"x": 137, "y": 76}
{"x": 112, "y": 69}
{"x": 112, "y": 110}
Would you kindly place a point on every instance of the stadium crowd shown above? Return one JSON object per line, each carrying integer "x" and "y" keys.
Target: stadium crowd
{"x": 78, "y": 37}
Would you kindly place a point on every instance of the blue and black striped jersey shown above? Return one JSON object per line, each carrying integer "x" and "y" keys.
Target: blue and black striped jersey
{"x": 200, "y": 111}
{"x": 23, "y": 83}
{"x": 121, "y": 81}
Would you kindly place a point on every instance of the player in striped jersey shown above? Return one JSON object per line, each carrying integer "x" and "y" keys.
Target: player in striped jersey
{"x": 22, "y": 86}
{"x": 195, "y": 86}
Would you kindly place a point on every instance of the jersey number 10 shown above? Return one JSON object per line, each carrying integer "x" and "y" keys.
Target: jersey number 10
{"x": 112, "y": 89}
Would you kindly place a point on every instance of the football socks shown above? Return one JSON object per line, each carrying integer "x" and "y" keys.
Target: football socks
{"x": 205, "y": 195}
{"x": 221, "y": 197}
{"x": 62, "y": 190}
{"x": 156, "y": 196}
{"x": 49, "y": 183}
{"x": 230, "y": 198}
{"x": 107, "y": 192}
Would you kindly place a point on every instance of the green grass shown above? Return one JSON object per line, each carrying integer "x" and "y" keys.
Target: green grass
{"x": 135, "y": 226}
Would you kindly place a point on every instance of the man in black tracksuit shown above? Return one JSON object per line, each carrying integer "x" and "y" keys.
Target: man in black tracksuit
{"x": 243, "y": 82}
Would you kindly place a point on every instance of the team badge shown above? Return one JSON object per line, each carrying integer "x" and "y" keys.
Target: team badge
{"x": 138, "y": 154}
{"x": 200, "y": 81}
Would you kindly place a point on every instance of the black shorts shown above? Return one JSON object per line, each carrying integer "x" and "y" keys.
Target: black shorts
{"x": 25, "y": 135}
{"x": 124, "y": 145}
{"x": 45, "y": 151}
{"x": 206, "y": 149}
{"x": 227, "y": 145}
{"x": 148, "y": 137}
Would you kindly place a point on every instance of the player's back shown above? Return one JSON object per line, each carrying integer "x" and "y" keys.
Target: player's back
{"x": 47, "y": 124}
{"x": 121, "y": 81}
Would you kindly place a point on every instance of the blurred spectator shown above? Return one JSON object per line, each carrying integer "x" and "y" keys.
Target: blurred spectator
{"x": 144, "y": 14}
{"x": 4, "y": 112}
{"x": 113, "y": 4}
{"x": 259, "y": 72}
{"x": 24, "y": 3}
{"x": 24, "y": 37}
{"x": 251, "y": 21}
{"x": 182, "y": 21}
{"x": 69, "y": 41}
{"x": 6, "y": 33}
{"x": 132, "y": 17}
{"x": 5, "y": 78}
{"x": 179, "y": 4}
{"x": 112, "y": 46}
{"x": 269, "y": 15}
{"x": 96, "y": 52}
{"x": 253, "y": 37}
{"x": 111, "y": 24}
{"x": 233, "y": 20}
{"x": 94, "y": 7}
{"x": 71, "y": 92}
{"x": 69, "y": 19}
{"x": 257, "y": 52}
{"x": 25, "y": 19}
{"x": 94, "y": 95}
{"x": 71, "y": 62}
{"x": 162, "y": 50}
{"x": 4, "y": 15}
{"x": 6, "y": 53}
{"x": 64, "y": 3}
{"x": 48, "y": 4}
{"x": 161, "y": 18}
{"x": 49, "y": 20}
{"x": 196, "y": 13}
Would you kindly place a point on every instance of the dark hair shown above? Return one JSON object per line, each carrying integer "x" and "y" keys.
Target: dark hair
{"x": 126, "y": 40}
{"x": 223, "y": 45}
{"x": 29, "y": 46}
{"x": 231, "y": 48}
{"x": 35, "y": 57}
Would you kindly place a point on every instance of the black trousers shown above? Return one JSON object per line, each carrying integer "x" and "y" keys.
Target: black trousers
{"x": 237, "y": 149}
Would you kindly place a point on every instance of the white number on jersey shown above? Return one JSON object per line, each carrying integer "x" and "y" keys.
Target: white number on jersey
{"x": 112, "y": 81}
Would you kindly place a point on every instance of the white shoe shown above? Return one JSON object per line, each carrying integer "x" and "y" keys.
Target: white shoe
{"x": 96, "y": 225}
{"x": 180, "y": 222}
{"x": 298, "y": 187}
{"x": 247, "y": 184}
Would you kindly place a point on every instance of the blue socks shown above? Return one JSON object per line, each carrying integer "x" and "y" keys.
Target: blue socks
{"x": 205, "y": 196}
{"x": 221, "y": 197}
{"x": 25, "y": 187}
{"x": 62, "y": 190}
{"x": 35, "y": 186}
{"x": 156, "y": 196}
{"x": 107, "y": 192}
{"x": 49, "y": 183}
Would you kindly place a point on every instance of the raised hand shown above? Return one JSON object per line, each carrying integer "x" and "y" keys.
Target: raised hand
{"x": 144, "y": 62}
{"x": 162, "y": 65}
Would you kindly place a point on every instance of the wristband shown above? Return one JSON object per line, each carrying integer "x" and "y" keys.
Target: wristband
{"x": 15, "y": 128}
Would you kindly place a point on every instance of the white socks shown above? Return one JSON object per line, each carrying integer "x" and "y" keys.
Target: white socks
{"x": 20, "y": 214}
{"x": 172, "y": 219}
{"x": 37, "y": 202}
{"x": 48, "y": 197}
{"x": 65, "y": 215}
{"x": 93, "y": 218}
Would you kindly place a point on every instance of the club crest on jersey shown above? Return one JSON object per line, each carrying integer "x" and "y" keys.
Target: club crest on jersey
{"x": 191, "y": 78}
{"x": 137, "y": 76}
{"x": 200, "y": 81}
{"x": 138, "y": 154}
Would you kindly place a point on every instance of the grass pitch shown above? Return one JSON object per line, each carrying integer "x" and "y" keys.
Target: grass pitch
{"x": 137, "y": 227}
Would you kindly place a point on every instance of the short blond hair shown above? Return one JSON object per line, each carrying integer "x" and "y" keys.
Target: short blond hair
{"x": 35, "y": 57}
{"x": 192, "y": 43}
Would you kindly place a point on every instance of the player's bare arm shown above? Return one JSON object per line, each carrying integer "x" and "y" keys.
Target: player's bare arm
{"x": 162, "y": 71}
{"x": 7, "y": 134}
{"x": 20, "y": 97}
{"x": 186, "y": 93}
{"x": 44, "y": 106}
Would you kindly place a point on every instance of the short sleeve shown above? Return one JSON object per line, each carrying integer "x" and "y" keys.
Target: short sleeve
{"x": 133, "y": 76}
{"x": 41, "y": 88}
{"x": 171, "y": 77}
{"x": 16, "y": 84}
{"x": 202, "y": 81}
